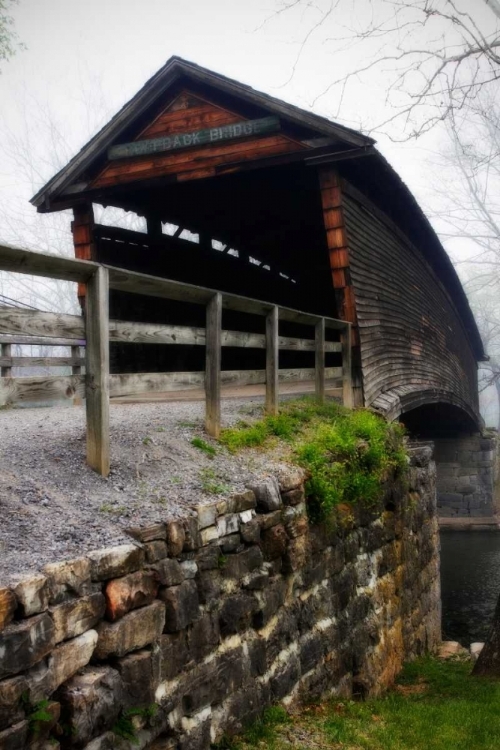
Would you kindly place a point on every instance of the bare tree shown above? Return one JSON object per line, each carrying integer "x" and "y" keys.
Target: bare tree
{"x": 436, "y": 55}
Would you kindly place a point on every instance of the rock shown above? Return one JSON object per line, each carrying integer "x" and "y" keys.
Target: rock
{"x": 68, "y": 578}
{"x": 267, "y": 494}
{"x": 77, "y": 615}
{"x": 208, "y": 535}
{"x": 32, "y": 593}
{"x": 91, "y": 702}
{"x": 176, "y": 537}
{"x": 114, "y": 562}
{"x": 11, "y": 691}
{"x": 295, "y": 556}
{"x": 238, "y": 565}
{"x": 207, "y": 515}
{"x": 229, "y": 524}
{"x": 203, "y": 636}
{"x": 241, "y": 501}
{"x": 149, "y": 533}
{"x": 208, "y": 558}
{"x": 451, "y": 648}
{"x": 182, "y": 605}
{"x": 140, "y": 674}
{"x": 231, "y": 543}
{"x": 236, "y": 613}
{"x": 8, "y": 604}
{"x": 189, "y": 569}
{"x": 274, "y": 542}
{"x": 130, "y": 592}
{"x": 475, "y": 649}
{"x": 25, "y": 643}
{"x": 269, "y": 519}
{"x": 70, "y": 656}
{"x": 293, "y": 497}
{"x": 135, "y": 630}
{"x": 156, "y": 551}
{"x": 169, "y": 572}
{"x": 256, "y": 581}
{"x": 40, "y": 730}
{"x": 250, "y": 532}
{"x": 106, "y": 741}
{"x": 15, "y": 738}
{"x": 174, "y": 655}
{"x": 290, "y": 477}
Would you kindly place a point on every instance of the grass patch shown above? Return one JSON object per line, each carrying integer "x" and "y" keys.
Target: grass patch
{"x": 435, "y": 705}
{"x": 347, "y": 454}
{"x": 211, "y": 483}
{"x": 197, "y": 442}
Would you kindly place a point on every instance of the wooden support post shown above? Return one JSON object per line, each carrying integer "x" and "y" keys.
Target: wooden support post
{"x": 154, "y": 226}
{"x": 319, "y": 337}
{"x": 97, "y": 371}
{"x": 76, "y": 370}
{"x": 6, "y": 351}
{"x": 213, "y": 365}
{"x": 272, "y": 355}
{"x": 83, "y": 239}
{"x": 347, "y": 367}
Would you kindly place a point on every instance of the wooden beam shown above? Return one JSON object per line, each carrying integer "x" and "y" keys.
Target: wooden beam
{"x": 14, "y": 320}
{"x": 213, "y": 365}
{"x": 39, "y": 340}
{"x": 272, "y": 356}
{"x": 82, "y": 228}
{"x": 348, "y": 396}
{"x": 320, "y": 360}
{"x": 6, "y": 353}
{"x": 50, "y": 388}
{"x": 97, "y": 371}
{"x": 7, "y": 362}
{"x": 43, "y": 264}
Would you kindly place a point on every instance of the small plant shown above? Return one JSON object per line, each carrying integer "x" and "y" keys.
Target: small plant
{"x": 197, "y": 442}
{"x": 160, "y": 429}
{"x": 106, "y": 508}
{"x": 221, "y": 561}
{"x": 36, "y": 713}
{"x": 147, "y": 440}
{"x": 124, "y": 726}
{"x": 187, "y": 424}
{"x": 211, "y": 484}
{"x": 160, "y": 499}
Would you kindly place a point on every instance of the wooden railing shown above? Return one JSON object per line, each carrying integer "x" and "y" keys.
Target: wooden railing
{"x": 95, "y": 331}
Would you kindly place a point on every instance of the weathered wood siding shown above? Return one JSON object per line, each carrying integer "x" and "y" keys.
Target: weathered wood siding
{"x": 185, "y": 114}
{"x": 410, "y": 332}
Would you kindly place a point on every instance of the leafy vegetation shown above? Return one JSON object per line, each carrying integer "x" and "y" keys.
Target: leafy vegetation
{"x": 211, "y": 483}
{"x": 347, "y": 454}
{"x": 435, "y": 705}
{"x": 124, "y": 726}
{"x": 197, "y": 442}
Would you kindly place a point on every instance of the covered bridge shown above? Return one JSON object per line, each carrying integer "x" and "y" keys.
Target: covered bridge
{"x": 287, "y": 207}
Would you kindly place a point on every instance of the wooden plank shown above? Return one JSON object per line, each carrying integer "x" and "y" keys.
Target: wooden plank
{"x": 348, "y": 398}
{"x": 6, "y": 352}
{"x": 213, "y": 365}
{"x": 14, "y": 320}
{"x": 97, "y": 371}
{"x": 320, "y": 360}
{"x": 8, "y": 362}
{"x": 158, "y": 382}
{"x": 39, "y": 340}
{"x": 272, "y": 361}
{"x": 50, "y": 388}
{"x": 43, "y": 264}
{"x": 77, "y": 360}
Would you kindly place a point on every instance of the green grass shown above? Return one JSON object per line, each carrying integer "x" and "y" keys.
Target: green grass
{"x": 436, "y": 705}
{"x": 347, "y": 454}
{"x": 212, "y": 484}
{"x": 197, "y": 442}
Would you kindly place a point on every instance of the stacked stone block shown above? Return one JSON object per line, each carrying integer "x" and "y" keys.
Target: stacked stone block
{"x": 466, "y": 475}
{"x": 212, "y": 618}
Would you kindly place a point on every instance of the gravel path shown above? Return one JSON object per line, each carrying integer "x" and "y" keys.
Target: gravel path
{"x": 54, "y": 507}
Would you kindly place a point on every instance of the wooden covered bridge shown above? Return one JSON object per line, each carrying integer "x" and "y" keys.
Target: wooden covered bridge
{"x": 254, "y": 198}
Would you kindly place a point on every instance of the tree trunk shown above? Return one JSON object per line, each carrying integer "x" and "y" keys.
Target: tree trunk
{"x": 488, "y": 663}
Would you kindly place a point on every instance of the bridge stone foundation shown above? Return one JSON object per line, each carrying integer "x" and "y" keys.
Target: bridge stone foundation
{"x": 467, "y": 469}
{"x": 214, "y": 617}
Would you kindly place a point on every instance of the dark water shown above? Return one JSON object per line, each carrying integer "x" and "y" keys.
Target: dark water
{"x": 470, "y": 583}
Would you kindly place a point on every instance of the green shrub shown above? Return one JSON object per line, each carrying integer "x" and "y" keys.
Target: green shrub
{"x": 197, "y": 442}
{"x": 347, "y": 454}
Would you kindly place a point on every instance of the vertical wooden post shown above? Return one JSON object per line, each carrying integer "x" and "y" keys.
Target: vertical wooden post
{"x": 319, "y": 337}
{"x": 6, "y": 351}
{"x": 213, "y": 365}
{"x": 272, "y": 361}
{"x": 347, "y": 367}
{"x": 97, "y": 371}
{"x": 76, "y": 370}
{"x": 83, "y": 239}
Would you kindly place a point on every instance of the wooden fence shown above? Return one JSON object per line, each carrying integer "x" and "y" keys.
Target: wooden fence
{"x": 95, "y": 331}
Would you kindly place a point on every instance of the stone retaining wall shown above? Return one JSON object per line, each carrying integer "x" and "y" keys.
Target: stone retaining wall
{"x": 195, "y": 627}
{"x": 467, "y": 470}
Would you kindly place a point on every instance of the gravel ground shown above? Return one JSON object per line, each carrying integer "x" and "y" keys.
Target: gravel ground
{"x": 54, "y": 507}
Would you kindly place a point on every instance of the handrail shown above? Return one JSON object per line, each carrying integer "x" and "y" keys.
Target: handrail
{"x": 98, "y": 330}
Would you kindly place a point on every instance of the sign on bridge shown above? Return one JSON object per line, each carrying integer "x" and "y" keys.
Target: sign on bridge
{"x": 195, "y": 138}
